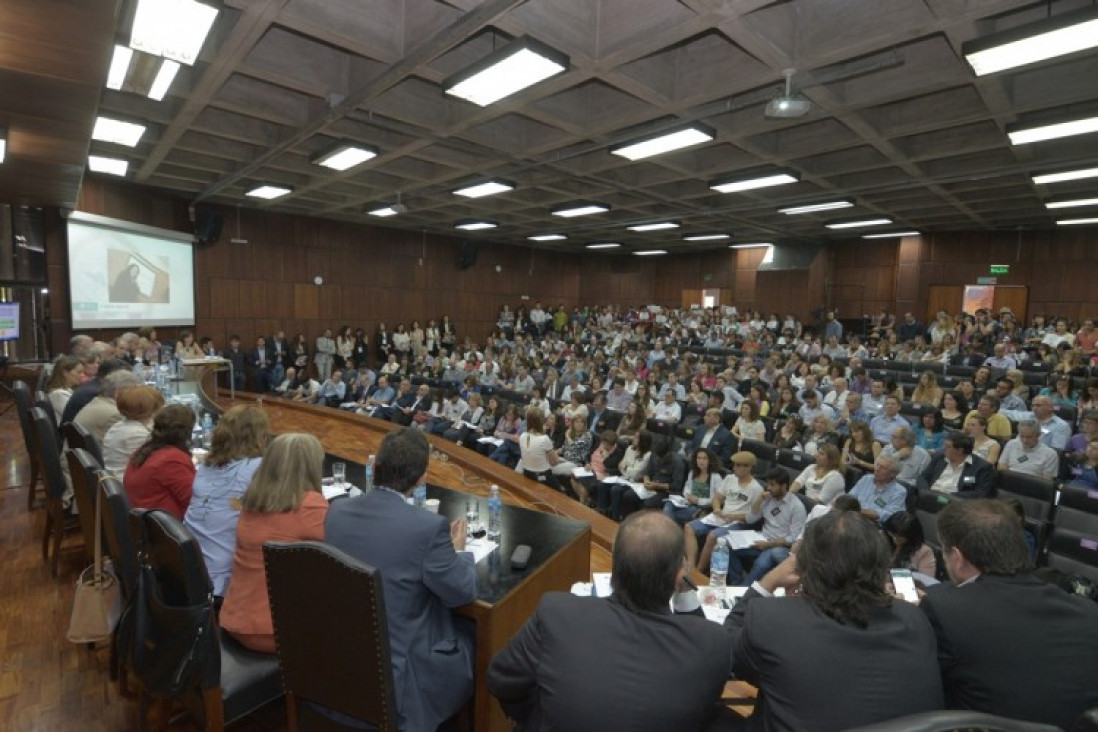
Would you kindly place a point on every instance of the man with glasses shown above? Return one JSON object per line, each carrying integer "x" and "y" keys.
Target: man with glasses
{"x": 1026, "y": 454}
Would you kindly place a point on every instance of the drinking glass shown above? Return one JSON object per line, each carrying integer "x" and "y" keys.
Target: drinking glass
{"x": 339, "y": 472}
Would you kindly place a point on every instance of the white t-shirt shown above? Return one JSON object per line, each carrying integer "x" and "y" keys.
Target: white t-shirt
{"x": 825, "y": 489}
{"x": 738, "y": 498}
{"x": 534, "y": 448}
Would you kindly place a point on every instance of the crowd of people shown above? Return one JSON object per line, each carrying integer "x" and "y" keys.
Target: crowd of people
{"x": 631, "y": 409}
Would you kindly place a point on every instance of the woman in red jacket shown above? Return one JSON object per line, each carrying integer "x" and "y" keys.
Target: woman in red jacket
{"x": 160, "y": 474}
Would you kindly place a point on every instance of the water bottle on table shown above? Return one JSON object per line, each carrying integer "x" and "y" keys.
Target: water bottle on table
{"x": 718, "y": 565}
{"x": 368, "y": 479}
{"x": 495, "y": 513}
{"x": 419, "y": 496}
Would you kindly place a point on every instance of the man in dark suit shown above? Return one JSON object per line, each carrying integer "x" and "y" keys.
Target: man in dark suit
{"x": 1008, "y": 643}
{"x": 715, "y": 436}
{"x": 424, "y": 576}
{"x": 622, "y": 663}
{"x": 842, "y": 618}
{"x": 956, "y": 470}
{"x": 280, "y": 357}
{"x": 260, "y": 361}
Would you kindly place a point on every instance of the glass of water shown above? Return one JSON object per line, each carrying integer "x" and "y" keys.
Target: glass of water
{"x": 472, "y": 516}
{"x": 339, "y": 472}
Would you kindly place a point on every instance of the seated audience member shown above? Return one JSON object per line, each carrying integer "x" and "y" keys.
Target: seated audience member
{"x": 1026, "y": 454}
{"x": 790, "y": 434}
{"x": 1085, "y": 473}
{"x": 911, "y": 459}
{"x": 663, "y": 477}
{"x": 841, "y": 617}
{"x": 930, "y": 432}
{"x": 536, "y": 451}
{"x": 668, "y": 410}
{"x": 822, "y": 482}
{"x": 603, "y": 459}
{"x": 101, "y": 413}
{"x": 1008, "y": 643}
{"x": 702, "y": 483}
{"x": 819, "y": 435}
{"x": 998, "y": 425}
{"x": 304, "y": 389}
{"x": 1054, "y": 432}
{"x": 884, "y": 424}
{"x": 909, "y": 547}
{"x": 160, "y": 474}
{"x": 861, "y": 450}
{"x": 424, "y": 577}
{"x": 219, "y": 485}
{"x": 67, "y": 374}
{"x": 286, "y": 387}
{"x": 958, "y": 471}
{"x": 584, "y": 663}
{"x": 332, "y": 392}
{"x": 137, "y": 405}
{"x": 454, "y": 410}
{"x": 632, "y": 467}
{"x": 982, "y": 445}
{"x": 879, "y": 493}
{"x": 715, "y": 437}
{"x": 283, "y": 502}
{"x": 748, "y": 426}
{"x": 731, "y": 505}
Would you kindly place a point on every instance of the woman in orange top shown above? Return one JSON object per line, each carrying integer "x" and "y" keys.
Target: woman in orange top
{"x": 283, "y": 503}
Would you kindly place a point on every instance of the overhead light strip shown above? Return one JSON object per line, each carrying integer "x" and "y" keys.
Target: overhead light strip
{"x": 112, "y": 166}
{"x": 518, "y": 65}
{"x": 859, "y": 223}
{"x": 666, "y": 142}
{"x": 891, "y": 235}
{"x": 383, "y": 212}
{"x": 814, "y": 207}
{"x": 1064, "y": 176}
{"x": 756, "y": 245}
{"x": 706, "y": 237}
{"x": 488, "y": 188}
{"x": 117, "y": 131}
{"x": 3, "y": 144}
{"x": 579, "y": 208}
{"x": 120, "y": 65}
{"x": 164, "y": 78}
{"x": 751, "y": 182}
{"x": 1033, "y": 43}
{"x": 1024, "y": 134}
{"x": 650, "y": 252}
{"x": 475, "y": 225}
{"x": 269, "y": 192}
{"x": 345, "y": 155}
{"x": 547, "y": 237}
{"x": 1077, "y": 222}
{"x": 604, "y": 245}
{"x": 656, "y": 226}
{"x": 172, "y": 29}
{"x": 1072, "y": 203}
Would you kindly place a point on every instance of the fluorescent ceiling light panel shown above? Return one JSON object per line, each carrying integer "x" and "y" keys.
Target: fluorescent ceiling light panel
{"x": 269, "y": 192}
{"x": 706, "y": 237}
{"x": 164, "y": 79}
{"x": 814, "y": 207}
{"x": 1066, "y": 175}
{"x": 1072, "y": 203}
{"x": 117, "y": 131}
{"x": 859, "y": 223}
{"x": 173, "y": 29}
{"x": 604, "y": 245}
{"x": 120, "y": 64}
{"x": 475, "y": 225}
{"x": 345, "y": 156}
{"x": 761, "y": 180}
{"x": 650, "y": 252}
{"x": 3, "y": 144}
{"x": 383, "y": 211}
{"x": 547, "y": 237}
{"x": 518, "y": 65}
{"x": 580, "y": 208}
{"x": 1020, "y": 135}
{"x": 1076, "y": 222}
{"x": 891, "y": 235}
{"x": 666, "y": 142}
{"x": 757, "y": 245}
{"x": 489, "y": 188}
{"x": 657, "y": 226}
{"x": 114, "y": 166}
{"x": 1046, "y": 39}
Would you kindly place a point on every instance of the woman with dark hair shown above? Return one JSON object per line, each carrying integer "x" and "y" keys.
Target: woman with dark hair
{"x": 954, "y": 410}
{"x": 1060, "y": 391}
{"x": 909, "y": 548}
{"x": 160, "y": 474}
{"x": 344, "y": 347}
{"x": 930, "y": 434}
{"x": 186, "y": 347}
{"x": 447, "y": 333}
{"x": 67, "y": 374}
{"x": 360, "y": 350}
{"x": 300, "y": 353}
{"x": 861, "y": 450}
{"x": 789, "y": 436}
{"x": 702, "y": 483}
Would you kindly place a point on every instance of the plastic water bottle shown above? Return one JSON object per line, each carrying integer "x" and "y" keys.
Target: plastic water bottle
{"x": 419, "y": 496}
{"x": 207, "y": 430}
{"x": 718, "y": 565}
{"x": 495, "y": 513}
{"x": 368, "y": 475}
{"x": 196, "y": 435}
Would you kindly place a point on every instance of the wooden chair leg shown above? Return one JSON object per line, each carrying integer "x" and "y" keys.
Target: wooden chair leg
{"x": 214, "y": 705}
{"x": 46, "y": 537}
{"x": 292, "y": 720}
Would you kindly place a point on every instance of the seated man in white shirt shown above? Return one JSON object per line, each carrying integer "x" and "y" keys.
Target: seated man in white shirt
{"x": 911, "y": 459}
{"x": 523, "y": 383}
{"x": 668, "y": 410}
{"x": 1025, "y": 453}
{"x": 1055, "y": 432}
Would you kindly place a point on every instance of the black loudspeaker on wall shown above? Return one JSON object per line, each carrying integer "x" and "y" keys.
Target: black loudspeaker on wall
{"x": 469, "y": 251}
{"x": 207, "y": 226}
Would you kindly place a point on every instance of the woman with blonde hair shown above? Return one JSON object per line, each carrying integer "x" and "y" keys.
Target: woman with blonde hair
{"x": 137, "y": 405}
{"x": 982, "y": 446}
{"x": 927, "y": 391}
{"x": 67, "y": 374}
{"x": 219, "y": 485}
{"x": 282, "y": 503}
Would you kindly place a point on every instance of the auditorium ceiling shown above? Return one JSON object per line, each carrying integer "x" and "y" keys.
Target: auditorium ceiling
{"x": 899, "y": 124}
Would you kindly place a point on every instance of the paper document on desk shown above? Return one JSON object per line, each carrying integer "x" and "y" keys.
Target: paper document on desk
{"x": 642, "y": 492}
{"x": 743, "y": 539}
{"x": 480, "y": 548}
{"x": 497, "y": 441}
{"x": 582, "y": 473}
{"x": 677, "y": 501}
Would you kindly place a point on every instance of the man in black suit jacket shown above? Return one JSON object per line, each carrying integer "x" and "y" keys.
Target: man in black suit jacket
{"x": 622, "y": 663}
{"x": 842, "y": 653}
{"x": 715, "y": 436}
{"x": 956, "y": 470}
{"x": 1008, "y": 643}
{"x": 260, "y": 361}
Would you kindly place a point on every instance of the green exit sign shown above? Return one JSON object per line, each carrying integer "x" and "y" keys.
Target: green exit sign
{"x": 998, "y": 269}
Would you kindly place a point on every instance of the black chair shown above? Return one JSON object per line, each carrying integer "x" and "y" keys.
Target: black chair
{"x": 49, "y": 454}
{"x": 795, "y": 459}
{"x": 954, "y": 721}
{"x": 961, "y": 371}
{"x": 1068, "y": 414}
{"x": 1037, "y": 496}
{"x": 77, "y": 435}
{"x": 1073, "y": 552}
{"x": 84, "y": 471}
{"x": 332, "y": 633}
{"x": 23, "y": 404}
{"x": 41, "y": 399}
{"x": 231, "y": 681}
{"x": 658, "y": 427}
{"x": 610, "y": 420}
{"x": 927, "y": 506}
{"x": 120, "y": 547}
{"x": 1077, "y": 510}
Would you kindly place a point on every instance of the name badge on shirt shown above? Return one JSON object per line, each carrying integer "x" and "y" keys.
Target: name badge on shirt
{"x": 1023, "y": 458}
{"x": 740, "y": 496}
{"x": 880, "y": 501}
{"x": 776, "y": 511}
{"x": 968, "y": 479}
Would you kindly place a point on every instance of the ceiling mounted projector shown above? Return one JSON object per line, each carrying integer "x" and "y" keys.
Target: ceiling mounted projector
{"x": 787, "y": 105}
{"x": 399, "y": 207}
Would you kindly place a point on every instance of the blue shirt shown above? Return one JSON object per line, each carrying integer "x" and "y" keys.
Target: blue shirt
{"x": 885, "y": 502}
{"x": 883, "y": 426}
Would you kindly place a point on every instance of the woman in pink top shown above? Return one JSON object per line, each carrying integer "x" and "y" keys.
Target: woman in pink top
{"x": 910, "y": 550}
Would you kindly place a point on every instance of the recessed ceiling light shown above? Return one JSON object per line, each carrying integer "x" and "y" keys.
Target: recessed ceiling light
{"x": 475, "y": 225}
{"x": 657, "y": 226}
{"x": 814, "y": 207}
{"x": 113, "y": 166}
{"x": 489, "y": 188}
{"x": 120, "y": 64}
{"x": 881, "y": 221}
{"x": 665, "y": 142}
{"x": 1040, "y": 41}
{"x": 579, "y": 208}
{"x": 174, "y": 29}
{"x": 344, "y": 156}
{"x": 891, "y": 235}
{"x": 756, "y": 245}
{"x": 164, "y": 78}
{"x": 752, "y": 181}
{"x": 650, "y": 252}
{"x": 518, "y": 65}
{"x": 1065, "y": 175}
{"x": 604, "y": 245}
{"x": 1024, "y": 134}
{"x": 1076, "y": 222}
{"x": 706, "y": 237}
{"x": 117, "y": 131}
{"x": 3, "y": 144}
{"x": 1072, "y": 203}
{"x": 547, "y": 237}
{"x": 269, "y": 192}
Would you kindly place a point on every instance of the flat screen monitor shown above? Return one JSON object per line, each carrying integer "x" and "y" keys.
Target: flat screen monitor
{"x": 9, "y": 321}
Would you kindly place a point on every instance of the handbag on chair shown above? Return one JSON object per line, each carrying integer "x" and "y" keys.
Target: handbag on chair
{"x": 97, "y": 602}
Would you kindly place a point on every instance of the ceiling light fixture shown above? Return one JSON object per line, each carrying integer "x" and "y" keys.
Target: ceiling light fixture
{"x": 269, "y": 191}
{"x": 665, "y": 142}
{"x": 604, "y": 245}
{"x": 656, "y": 226}
{"x": 579, "y": 208}
{"x": 1071, "y": 202}
{"x": 814, "y": 207}
{"x": 164, "y": 78}
{"x": 747, "y": 182}
{"x": 1029, "y": 44}
{"x": 1065, "y": 175}
{"x": 1020, "y": 134}
{"x": 880, "y": 221}
{"x": 788, "y": 105}
{"x": 1076, "y": 222}
{"x": 3, "y": 144}
{"x": 113, "y": 166}
{"x": 547, "y": 237}
{"x": 117, "y": 131}
{"x": 518, "y": 65}
{"x": 706, "y": 237}
{"x": 757, "y": 245}
{"x": 891, "y": 235}
{"x": 488, "y": 188}
{"x": 344, "y": 155}
{"x": 386, "y": 210}
{"x": 475, "y": 225}
{"x": 173, "y": 29}
{"x": 120, "y": 64}
{"x": 650, "y": 252}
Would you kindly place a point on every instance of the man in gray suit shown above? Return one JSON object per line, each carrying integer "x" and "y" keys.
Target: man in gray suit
{"x": 423, "y": 575}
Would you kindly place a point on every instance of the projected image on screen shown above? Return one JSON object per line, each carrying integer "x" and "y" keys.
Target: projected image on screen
{"x": 123, "y": 275}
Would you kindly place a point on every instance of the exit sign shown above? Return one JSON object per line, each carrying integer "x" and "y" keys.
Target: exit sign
{"x": 999, "y": 269}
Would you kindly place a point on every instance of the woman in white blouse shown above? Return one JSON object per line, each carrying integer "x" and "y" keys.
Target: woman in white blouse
{"x": 137, "y": 405}
{"x": 822, "y": 482}
{"x": 67, "y": 374}
{"x": 536, "y": 448}
{"x": 749, "y": 426}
